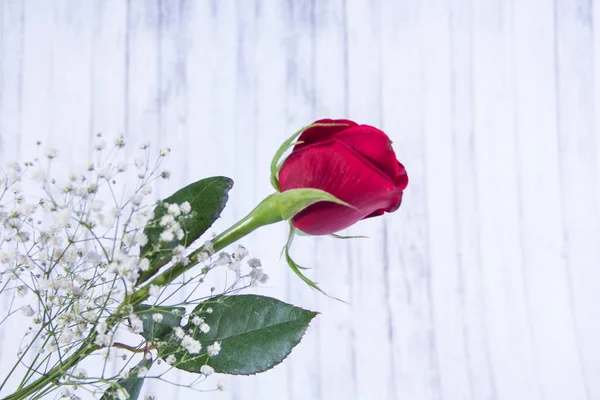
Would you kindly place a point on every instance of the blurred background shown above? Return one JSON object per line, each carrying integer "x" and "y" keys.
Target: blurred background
{"x": 483, "y": 285}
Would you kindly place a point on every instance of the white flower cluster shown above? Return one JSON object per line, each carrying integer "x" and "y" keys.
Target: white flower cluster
{"x": 70, "y": 253}
{"x": 69, "y": 249}
{"x": 256, "y": 274}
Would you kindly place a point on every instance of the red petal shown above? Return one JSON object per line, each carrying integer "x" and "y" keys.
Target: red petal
{"x": 322, "y": 133}
{"x": 336, "y": 168}
{"x": 376, "y": 147}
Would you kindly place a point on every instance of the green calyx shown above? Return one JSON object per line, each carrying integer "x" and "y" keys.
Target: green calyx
{"x": 279, "y": 206}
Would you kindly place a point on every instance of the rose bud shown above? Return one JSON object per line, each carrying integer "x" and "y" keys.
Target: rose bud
{"x": 355, "y": 163}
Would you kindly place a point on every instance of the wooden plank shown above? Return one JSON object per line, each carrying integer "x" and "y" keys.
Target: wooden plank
{"x": 441, "y": 184}
{"x": 504, "y": 299}
{"x": 12, "y": 27}
{"x": 578, "y": 160}
{"x": 109, "y": 68}
{"x": 298, "y": 54}
{"x": 12, "y": 20}
{"x": 415, "y": 360}
{"x": 368, "y": 258}
{"x": 261, "y": 125}
{"x": 553, "y": 340}
{"x": 470, "y": 285}
{"x": 69, "y": 89}
{"x": 332, "y": 261}
{"x": 167, "y": 25}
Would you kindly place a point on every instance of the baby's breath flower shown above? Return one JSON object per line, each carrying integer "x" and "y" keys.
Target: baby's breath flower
{"x": 185, "y": 207}
{"x": 206, "y": 370}
{"x": 254, "y": 263}
{"x": 157, "y": 317}
{"x": 51, "y": 153}
{"x": 144, "y": 263}
{"x": 204, "y": 327}
{"x": 209, "y": 310}
{"x": 101, "y": 327}
{"x": 223, "y": 259}
{"x": 80, "y": 373}
{"x": 170, "y": 359}
{"x": 139, "y": 163}
{"x": 174, "y": 210}
{"x": 144, "y": 145}
{"x": 179, "y": 333}
{"x": 102, "y": 340}
{"x": 99, "y": 144}
{"x": 166, "y": 220}
{"x": 22, "y": 290}
{"x": 67, "y": 336}
{"x": 208, "y": 247}
{"x": 137, "y": 199}
{"x": 203, "y": 256}
{"x": 51, "y": 347}
{"x": 191, "y": 345}
{"x": 120, "y": 141}
{"x": 64, "y": 216}
{"x": 165, "y": 174}
{"x": 38, "y": 174}
{"x": 257, "y": 275}
{"x": 27, "y": 311}
{"x": 142, "y": 371}
{"x": 196, "y": 320}
{"x": 137, "y": 326}
{"x": 44, "y": 284}
{"x": 154, "y": 290}
{"x": 115, "y": 212}
{"x": 213, "y": 349}
{"x": 167, "y": 236}
{"x": 240, "y": 252}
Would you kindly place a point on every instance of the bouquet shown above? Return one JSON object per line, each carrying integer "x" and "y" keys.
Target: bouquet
{"x": 94, "y": 271}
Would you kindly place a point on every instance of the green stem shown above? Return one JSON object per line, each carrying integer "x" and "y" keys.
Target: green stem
{"x": 54, "y": 374}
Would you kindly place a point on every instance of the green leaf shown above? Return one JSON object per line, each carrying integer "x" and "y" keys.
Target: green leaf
{"x": 132, "y": 384}
{"x": 255, "y": 332}
{"x": 207, "y": 198}
{"x": 171, "y": 316}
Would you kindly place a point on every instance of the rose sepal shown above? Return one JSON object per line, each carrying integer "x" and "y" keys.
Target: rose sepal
{"x": 296, "y": 268}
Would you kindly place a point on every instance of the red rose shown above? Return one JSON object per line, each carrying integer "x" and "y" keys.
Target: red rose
{"x": 355, "y": 163}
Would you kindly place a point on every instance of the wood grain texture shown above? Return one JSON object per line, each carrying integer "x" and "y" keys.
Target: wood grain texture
{"x": 484, "y": 285}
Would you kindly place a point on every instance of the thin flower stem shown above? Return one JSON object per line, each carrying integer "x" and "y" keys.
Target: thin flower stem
{"x": 133, "y": 349}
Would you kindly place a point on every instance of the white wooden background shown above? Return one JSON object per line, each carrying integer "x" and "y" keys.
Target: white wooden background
{"x": 484, "y": 285}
